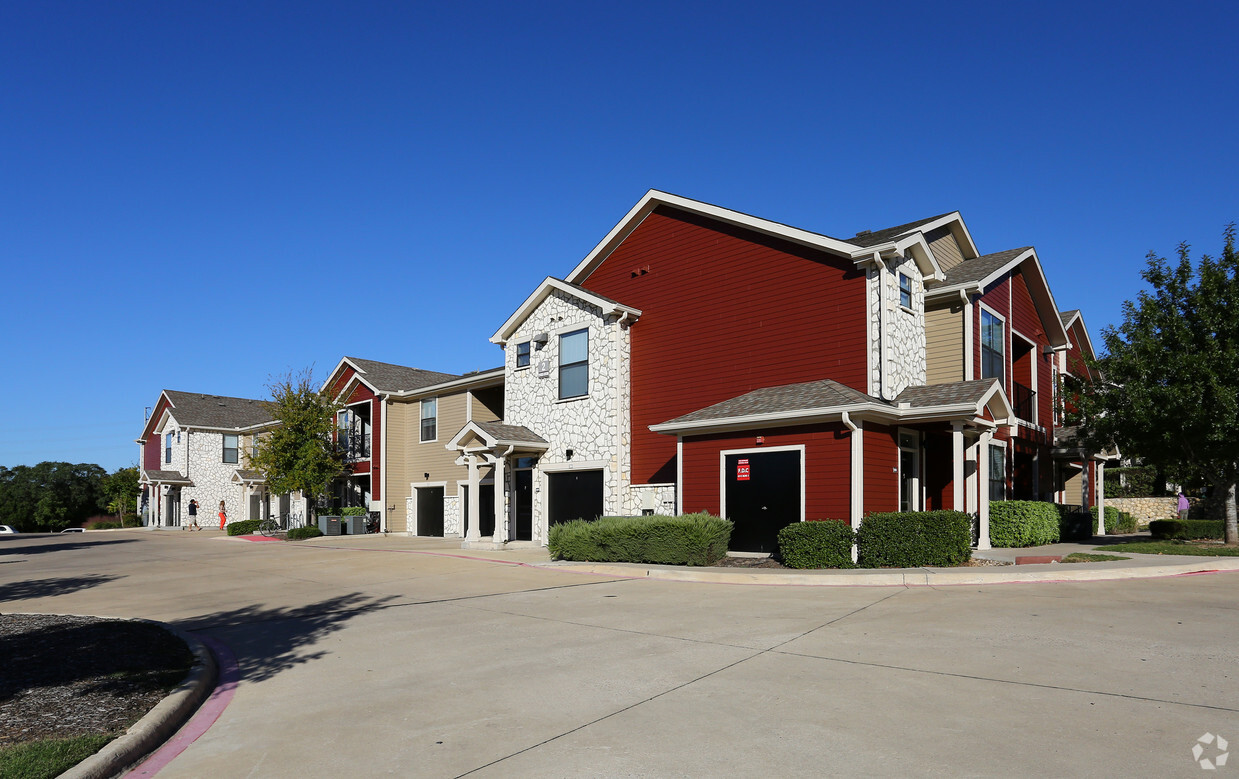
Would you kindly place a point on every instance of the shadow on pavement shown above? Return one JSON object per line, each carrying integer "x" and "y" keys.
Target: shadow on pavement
{"x": 267, "y": 641}
{"x": 18, "y": 548}
{"x": 46, "y": 588}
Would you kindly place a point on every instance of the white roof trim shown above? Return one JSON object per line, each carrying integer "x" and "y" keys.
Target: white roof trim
{"x": 654, "y": 198}
{"x": 358, "y": 375}
{"x": 489, "y": 440}
{"x": 543, "y": 291}
{"x": 967, "y": 246}
{"x": 1088, "y": 341}
{"x": 483, "y": 378}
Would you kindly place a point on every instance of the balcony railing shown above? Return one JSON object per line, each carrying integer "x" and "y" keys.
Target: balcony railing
{"x": 354, "y": 446}
{"x": 1023, "y": 401}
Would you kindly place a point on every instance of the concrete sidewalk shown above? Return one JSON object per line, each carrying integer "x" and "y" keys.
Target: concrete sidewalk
{"x": 1140, "y": 566}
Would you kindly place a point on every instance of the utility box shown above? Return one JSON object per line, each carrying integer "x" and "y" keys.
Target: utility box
{"x": 356, "y": 526}
{"x": 329, "y": 525}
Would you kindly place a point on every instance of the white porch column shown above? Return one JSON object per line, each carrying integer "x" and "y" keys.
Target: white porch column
{"x": 983, "y": 489}
{"x": 858, "y": 479}
{"x": 475, "y": 516}
{"x": 1101, "y": 498}
{"x": 501, "y": 508}
{"x": 957, "y": 466}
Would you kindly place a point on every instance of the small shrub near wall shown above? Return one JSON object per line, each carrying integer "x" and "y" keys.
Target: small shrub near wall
{"x": 823, "y": 544}
{"x": 243, "y": 528}
{"x": 1022, "y": 523}
{"x": 301, "y": 533}
{"x": 912, "y": 539}
{"x": 354, "y": 511}
{"x": 1116, "y": 521}
{"x": 1187, "y": 528}
{"x": 690, "y": 539}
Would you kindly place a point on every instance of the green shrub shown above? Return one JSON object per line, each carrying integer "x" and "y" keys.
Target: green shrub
{"x": 302, "y": 533}
{"x": 132, "y": 520}
{"x": 823, "y": 544}
{"x": 1023, "y": 523}
{"x": 243, "y": 528}
{"x": 1141, "y": 482}
{"x": 1073, "y": 525}
{"x": 912, "y": 539}
{"x": 690, "y": 539}
{"x": 354, "y": 511}
{"x": 104, "y": 525}
{"x": 1116, "y": 521}
{"x": 1187, "y": 528}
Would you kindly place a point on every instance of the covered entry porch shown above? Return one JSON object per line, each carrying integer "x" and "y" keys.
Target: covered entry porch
{"x": 506, "y": 456}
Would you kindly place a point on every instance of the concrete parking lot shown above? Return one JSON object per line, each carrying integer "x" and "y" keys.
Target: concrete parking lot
{"x": 370, "y": 656}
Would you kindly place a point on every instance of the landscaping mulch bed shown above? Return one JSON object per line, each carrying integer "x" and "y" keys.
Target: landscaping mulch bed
{"x": 70, "y": 676}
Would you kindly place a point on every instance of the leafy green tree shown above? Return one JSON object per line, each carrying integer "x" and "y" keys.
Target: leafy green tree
{"x": 298, "y": 454}
{"x": 1170, "y": 388}
{"x": 75, "y": 494}
{"x": 50, "y": 513}
{"x": 121, "y": 491}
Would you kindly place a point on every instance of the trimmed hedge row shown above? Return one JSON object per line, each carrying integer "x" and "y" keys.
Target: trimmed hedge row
{"x": 244, "y": 527}
{"x": 691, "y": 539}
{"x": 301, "y": 533}
{"x": 1116, "y": 521}
{"x": 912, "y": 539}
{"x": 354, "y": 511}
{"x": 1023, "y": 523}
{"x": 1188, "y": 528}
{"x": 822, "y": 544}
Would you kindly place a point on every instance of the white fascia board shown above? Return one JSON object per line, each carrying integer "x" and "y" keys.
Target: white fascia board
{"x": 542, "y": 292}
{"x": 470, "y": 427}
{"x": 356, "y": 379}
{"x": 959, "y": 229}
{"x": 491, "y": 378}
{"x": 980, "y": 284}
{"x": 922, "y": 255}
{"x": 339, "y": 366}
{"x": 1055, "y": 322}
{"x": 1004, "y": 405}
{"x": 653, "y": 198}
{"x": 1088, "y": 341}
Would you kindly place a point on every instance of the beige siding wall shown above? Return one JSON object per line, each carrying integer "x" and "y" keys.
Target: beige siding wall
{"x": 483, "y": 414}
{"x": 945, "y": 248}
{"x": 944, "y": 345}
{"x": 408, "y": 460}
{"x": 1073, "y": 490}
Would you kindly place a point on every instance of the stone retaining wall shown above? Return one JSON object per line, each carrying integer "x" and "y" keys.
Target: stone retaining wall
{"x": 1145, "y": 510}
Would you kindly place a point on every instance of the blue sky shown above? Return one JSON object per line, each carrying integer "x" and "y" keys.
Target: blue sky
{"x": 201, "y": 196}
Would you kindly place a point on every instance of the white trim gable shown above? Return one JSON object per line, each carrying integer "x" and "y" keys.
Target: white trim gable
{"x": 544, "y": 290}
{"x": 358, "y": 376}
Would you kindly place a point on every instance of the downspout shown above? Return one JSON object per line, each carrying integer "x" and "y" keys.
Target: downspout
{"x": 881, "y": 267}
{"x": 620, "y": 427}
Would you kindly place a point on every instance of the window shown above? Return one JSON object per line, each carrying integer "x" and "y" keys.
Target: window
{"x": 992, "y": 339}
{"x": 574, "y": 364}
{"x": 167, "y": 452}
{"x": 254, "y": 447}
{"x": 430, "y": 419}
{"x": 905, "y": 290}
{"x": 997, "y": 473}
{"x": 522, "y": 355}
{"x": 230, "y": 448}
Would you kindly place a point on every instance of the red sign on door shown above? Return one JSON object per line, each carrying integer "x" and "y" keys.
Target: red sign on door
{"x": 742, "y": 470}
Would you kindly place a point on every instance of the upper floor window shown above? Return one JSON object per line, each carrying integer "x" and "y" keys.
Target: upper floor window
{"x": 254, "y": 447}
{"x": 574, "y": 364}
{"x": 167, "y": 451}
{"x": 522, "y": 355}
{"x": 992, "y": 339}
{"x": 905, "y": 290}
{"x": 430, "y": 419}
{"x": 230, "y": 448}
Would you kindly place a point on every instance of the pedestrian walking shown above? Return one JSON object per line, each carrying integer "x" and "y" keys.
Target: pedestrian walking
{"x": 223, "y": 516}
{"x": 1184, "y": 506}
{"x": 193, "y": 515}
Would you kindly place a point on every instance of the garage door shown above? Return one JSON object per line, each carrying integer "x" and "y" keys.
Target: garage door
{"x": 762, "y": 496}
{"x": 574, "y": 495}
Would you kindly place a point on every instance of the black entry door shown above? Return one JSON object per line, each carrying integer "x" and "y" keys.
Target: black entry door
{"x": 574, "y": 495}
{"x": 524, "y": 505}
{"x": 430, "y": 511}
{"x": 486, "y": 509}
{"x": 763, "y": 497}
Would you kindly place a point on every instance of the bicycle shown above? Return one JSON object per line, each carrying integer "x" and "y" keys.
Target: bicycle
{"x": 268, "y": 527}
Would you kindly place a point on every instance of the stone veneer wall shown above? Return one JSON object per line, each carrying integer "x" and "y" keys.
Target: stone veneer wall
{"x": 451, "y": 514}
{"x": 1145, "y": 510}
{"x": 594, "y": 426}
{"x": 905, "y": 331}
{"x": 212, "y": 480}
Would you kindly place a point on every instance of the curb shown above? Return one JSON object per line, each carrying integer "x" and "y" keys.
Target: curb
{"x": 160, "y": 723}
{"x": 918, "y": 577}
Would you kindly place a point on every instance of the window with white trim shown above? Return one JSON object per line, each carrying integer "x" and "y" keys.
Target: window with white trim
{"x": 993, "y": 336}
{"x": 522, "y": 354}
{"x": 905, "y": 290}
{"x": 574, "y": 364}
{"x": 430, "y": 419}
{"x": 231, "y": 448}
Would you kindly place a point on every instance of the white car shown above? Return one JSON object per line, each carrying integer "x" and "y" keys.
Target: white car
{"x": 7, "y": 530}
{"x": 74, "y": 530}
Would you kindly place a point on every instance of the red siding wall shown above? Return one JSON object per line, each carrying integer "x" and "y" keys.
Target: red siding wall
{"x": 1027, "y": 322}
{"x": 726, "y": 311}
{"x": 828, "y": 463}
{"x": 881, "y": 464}
{"x": 152, "y": 450}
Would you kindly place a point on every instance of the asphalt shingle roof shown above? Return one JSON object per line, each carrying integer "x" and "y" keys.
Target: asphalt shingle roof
{"x": 386, "y": 377}
{"x": 980, "y": 267}
{"x": 946, "y": 394}
{"x": 193, "y": 409}
{"x": 167, "y": 476}
{"x": 1067, "y": 316}
{"x": 504, "y": 432}
{"x": 876, "y": 237}
{"x": 772, "y": 400}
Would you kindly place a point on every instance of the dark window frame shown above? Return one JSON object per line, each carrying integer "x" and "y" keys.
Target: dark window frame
{"x": 167, "y": 452}
{"x": 235, "y": 449}
{"x": 992, "y": 359}
{"x": 997, "y": 475}
{"x": 524, "y": 353}
{"x": 429, "y": 424}
{"x": 905, "y": 290}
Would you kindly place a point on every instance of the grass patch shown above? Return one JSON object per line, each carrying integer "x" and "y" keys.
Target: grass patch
{"x": 1176, "y": 547}
{"x": 1084, "y": 557}
{"x": 39, "y": 759}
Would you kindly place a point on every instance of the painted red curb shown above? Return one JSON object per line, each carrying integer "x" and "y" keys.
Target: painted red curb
{"x": 1038, "y": 559}
{"x": 257, "y": 538}
{"x": 204, "y": 718}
